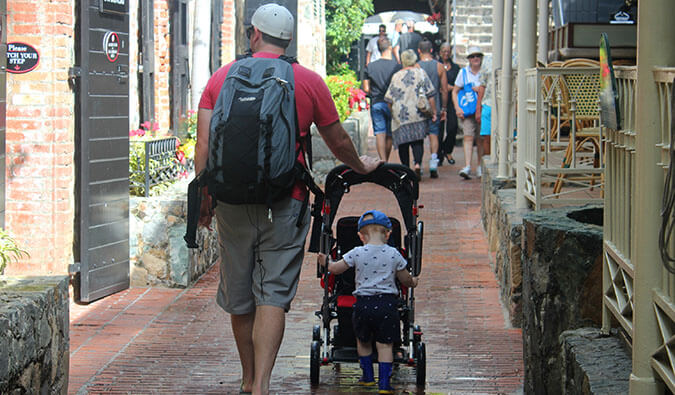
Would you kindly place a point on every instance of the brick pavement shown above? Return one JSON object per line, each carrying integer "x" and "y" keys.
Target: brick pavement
{"x": 154, "y": 340}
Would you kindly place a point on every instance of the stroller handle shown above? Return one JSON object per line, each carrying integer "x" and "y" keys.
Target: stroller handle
{"x": 399, "y": 179}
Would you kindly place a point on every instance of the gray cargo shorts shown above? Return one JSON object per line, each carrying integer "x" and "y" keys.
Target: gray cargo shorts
{"x": 260, "y": 258}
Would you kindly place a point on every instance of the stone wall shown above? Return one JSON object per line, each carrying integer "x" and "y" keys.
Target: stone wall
{"x": 357, "y": 126}
{"x": 158, "y": 253}
{"x": 34, "y": 345}
{"x": 593, "y": 363}
{"x": 562, "y": 287}
{"x": 503, "y": 222}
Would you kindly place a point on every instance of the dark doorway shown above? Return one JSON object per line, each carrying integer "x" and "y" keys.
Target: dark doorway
{"x": 180, "y": 73}
{"x": 147, "y": 56}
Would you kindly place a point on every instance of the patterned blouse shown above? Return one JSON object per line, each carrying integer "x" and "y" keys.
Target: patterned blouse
{"x": 408, "y": 123}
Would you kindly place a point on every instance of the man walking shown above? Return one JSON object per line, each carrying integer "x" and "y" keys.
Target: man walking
{"x": 436, "y": 73}
{"x": 372, "y": 52}
{"x": 408, "y": 40}
{"x": 262, "y": 247}
{"x": 375, "y": 83}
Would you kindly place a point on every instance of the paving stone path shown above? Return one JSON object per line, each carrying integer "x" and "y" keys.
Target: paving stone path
{"x": 154, "y": 340}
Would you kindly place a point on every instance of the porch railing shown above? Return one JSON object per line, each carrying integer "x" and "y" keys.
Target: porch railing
{"x": 663, "y": 360}
{"x": 562, "y": 147}
{"x": 618, "y": 256}
{"x": 509, "y": 155}
{"x": 619, "y": 229}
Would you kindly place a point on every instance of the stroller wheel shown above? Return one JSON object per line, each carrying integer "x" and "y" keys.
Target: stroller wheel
{"x": 316, "y": 332}
{"x": 421, "y": 352}
{"x": 314, "y": 362}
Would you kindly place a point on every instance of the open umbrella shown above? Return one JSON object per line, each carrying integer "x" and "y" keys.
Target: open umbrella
{"x": 408, "y": 15}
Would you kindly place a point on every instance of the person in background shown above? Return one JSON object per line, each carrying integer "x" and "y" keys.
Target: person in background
{"x": 447, "y": 135}
{"x": 483, "y": 142}
{"x": 375, "y": 83}
{"x": 372, "y": 52}
{"x": 470, "y": 123}
{"x": 394, "y": 37}
{"x": 408, "y": 40}
{"x": 409, "y": 125}
{"x": 436, "y": 74}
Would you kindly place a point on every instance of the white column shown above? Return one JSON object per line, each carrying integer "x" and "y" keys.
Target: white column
{"x": 527, "y": 39}
{"x": 654, "y": 48}
{"x": 506, "y": 83}
{"x": 201, "y": 40}
{"x": 448, "y": 16}
{"x": 497, "y": 40}
{"x": 542, "y": 39}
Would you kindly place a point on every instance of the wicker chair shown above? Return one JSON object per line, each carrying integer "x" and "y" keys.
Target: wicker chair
{"x": 582, "y": 115}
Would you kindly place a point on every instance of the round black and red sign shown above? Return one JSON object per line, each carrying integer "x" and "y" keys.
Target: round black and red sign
{"x": 111, "y": 46}
{"x": 21, "y": 57}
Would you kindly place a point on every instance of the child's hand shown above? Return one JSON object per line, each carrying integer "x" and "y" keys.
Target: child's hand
{"x": 415, "y": 280}
{"x": 321, "y": 258}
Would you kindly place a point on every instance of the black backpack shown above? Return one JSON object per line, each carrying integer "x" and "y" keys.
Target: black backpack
{"x": 252, "y": 140}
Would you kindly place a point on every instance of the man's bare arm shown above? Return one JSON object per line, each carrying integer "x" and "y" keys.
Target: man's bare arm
{"x": 202, "y": 146}
{"x": 341, "y": 145}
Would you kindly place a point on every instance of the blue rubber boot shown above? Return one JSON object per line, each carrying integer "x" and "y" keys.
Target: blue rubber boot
{"x": 385, "y": 375}
{"x": 368, "y": 377}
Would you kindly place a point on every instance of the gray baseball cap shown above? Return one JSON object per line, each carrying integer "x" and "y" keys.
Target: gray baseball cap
{"x": 274, "y": 20}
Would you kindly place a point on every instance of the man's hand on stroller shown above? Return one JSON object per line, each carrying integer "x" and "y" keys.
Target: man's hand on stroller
{"x": 369, "y": 164}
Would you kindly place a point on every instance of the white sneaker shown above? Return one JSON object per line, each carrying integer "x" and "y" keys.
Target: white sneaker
{"x": 479, "y": 172}
{"x": 465, "y": 172}
{"x": 433, "y": 164}
{"x": 433, "y": 168}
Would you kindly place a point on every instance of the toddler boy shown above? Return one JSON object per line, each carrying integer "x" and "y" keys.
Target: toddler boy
{"x": 375, "y": 315}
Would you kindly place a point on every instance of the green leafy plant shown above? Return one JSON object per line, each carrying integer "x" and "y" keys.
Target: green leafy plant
{"x": 346, "y": 93}
{"x": 344, "y": 21}
{"x": 9, "y": 250}
{"x": 163, "y": 169}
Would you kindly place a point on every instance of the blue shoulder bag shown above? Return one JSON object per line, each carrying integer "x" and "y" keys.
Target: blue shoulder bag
{"x": 467, "y": 97}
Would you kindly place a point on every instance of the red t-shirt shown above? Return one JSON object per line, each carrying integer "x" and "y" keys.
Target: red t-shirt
{"x": 313, "y": 101}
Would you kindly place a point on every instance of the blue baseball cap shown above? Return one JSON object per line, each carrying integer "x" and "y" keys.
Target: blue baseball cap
{"x": 379, "y": 218}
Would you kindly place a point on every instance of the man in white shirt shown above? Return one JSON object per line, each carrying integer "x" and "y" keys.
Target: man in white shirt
{"x": 373, "y": 53}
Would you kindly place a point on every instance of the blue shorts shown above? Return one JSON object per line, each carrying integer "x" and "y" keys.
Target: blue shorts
{"x": 377, "y": 317}
{"x": 435, "y": 127}
{"x": 381, "y": 116}
{"x": 485, "y": 120}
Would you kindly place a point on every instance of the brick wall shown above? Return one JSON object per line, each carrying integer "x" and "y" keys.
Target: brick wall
{"x": 473, "y": 26}
{"x": 311, "y": 29}
{"x": 40, "y": 138}
{"x": 162, "y": 64}
{"x": 228, "y": 41}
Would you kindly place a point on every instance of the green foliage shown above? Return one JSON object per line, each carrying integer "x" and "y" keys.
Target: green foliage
{"x": 344, "y": 20}
{"x": 346, "y": 94}
{"x": 9, "y": 250}
{"x": 165, "y": 168}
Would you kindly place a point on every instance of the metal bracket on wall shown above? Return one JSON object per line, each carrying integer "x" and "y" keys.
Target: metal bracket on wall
{"x": 74, "y": 268}
{"x": 74, "y": 73}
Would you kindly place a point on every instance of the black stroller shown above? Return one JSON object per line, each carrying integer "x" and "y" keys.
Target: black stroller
{"x": 339, "y": 344}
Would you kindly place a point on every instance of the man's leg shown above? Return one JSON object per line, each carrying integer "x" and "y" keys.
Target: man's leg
{"x": 381, "y": 144}
{"x": 268, "y": 331}
{"x": 242, "y": 328}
